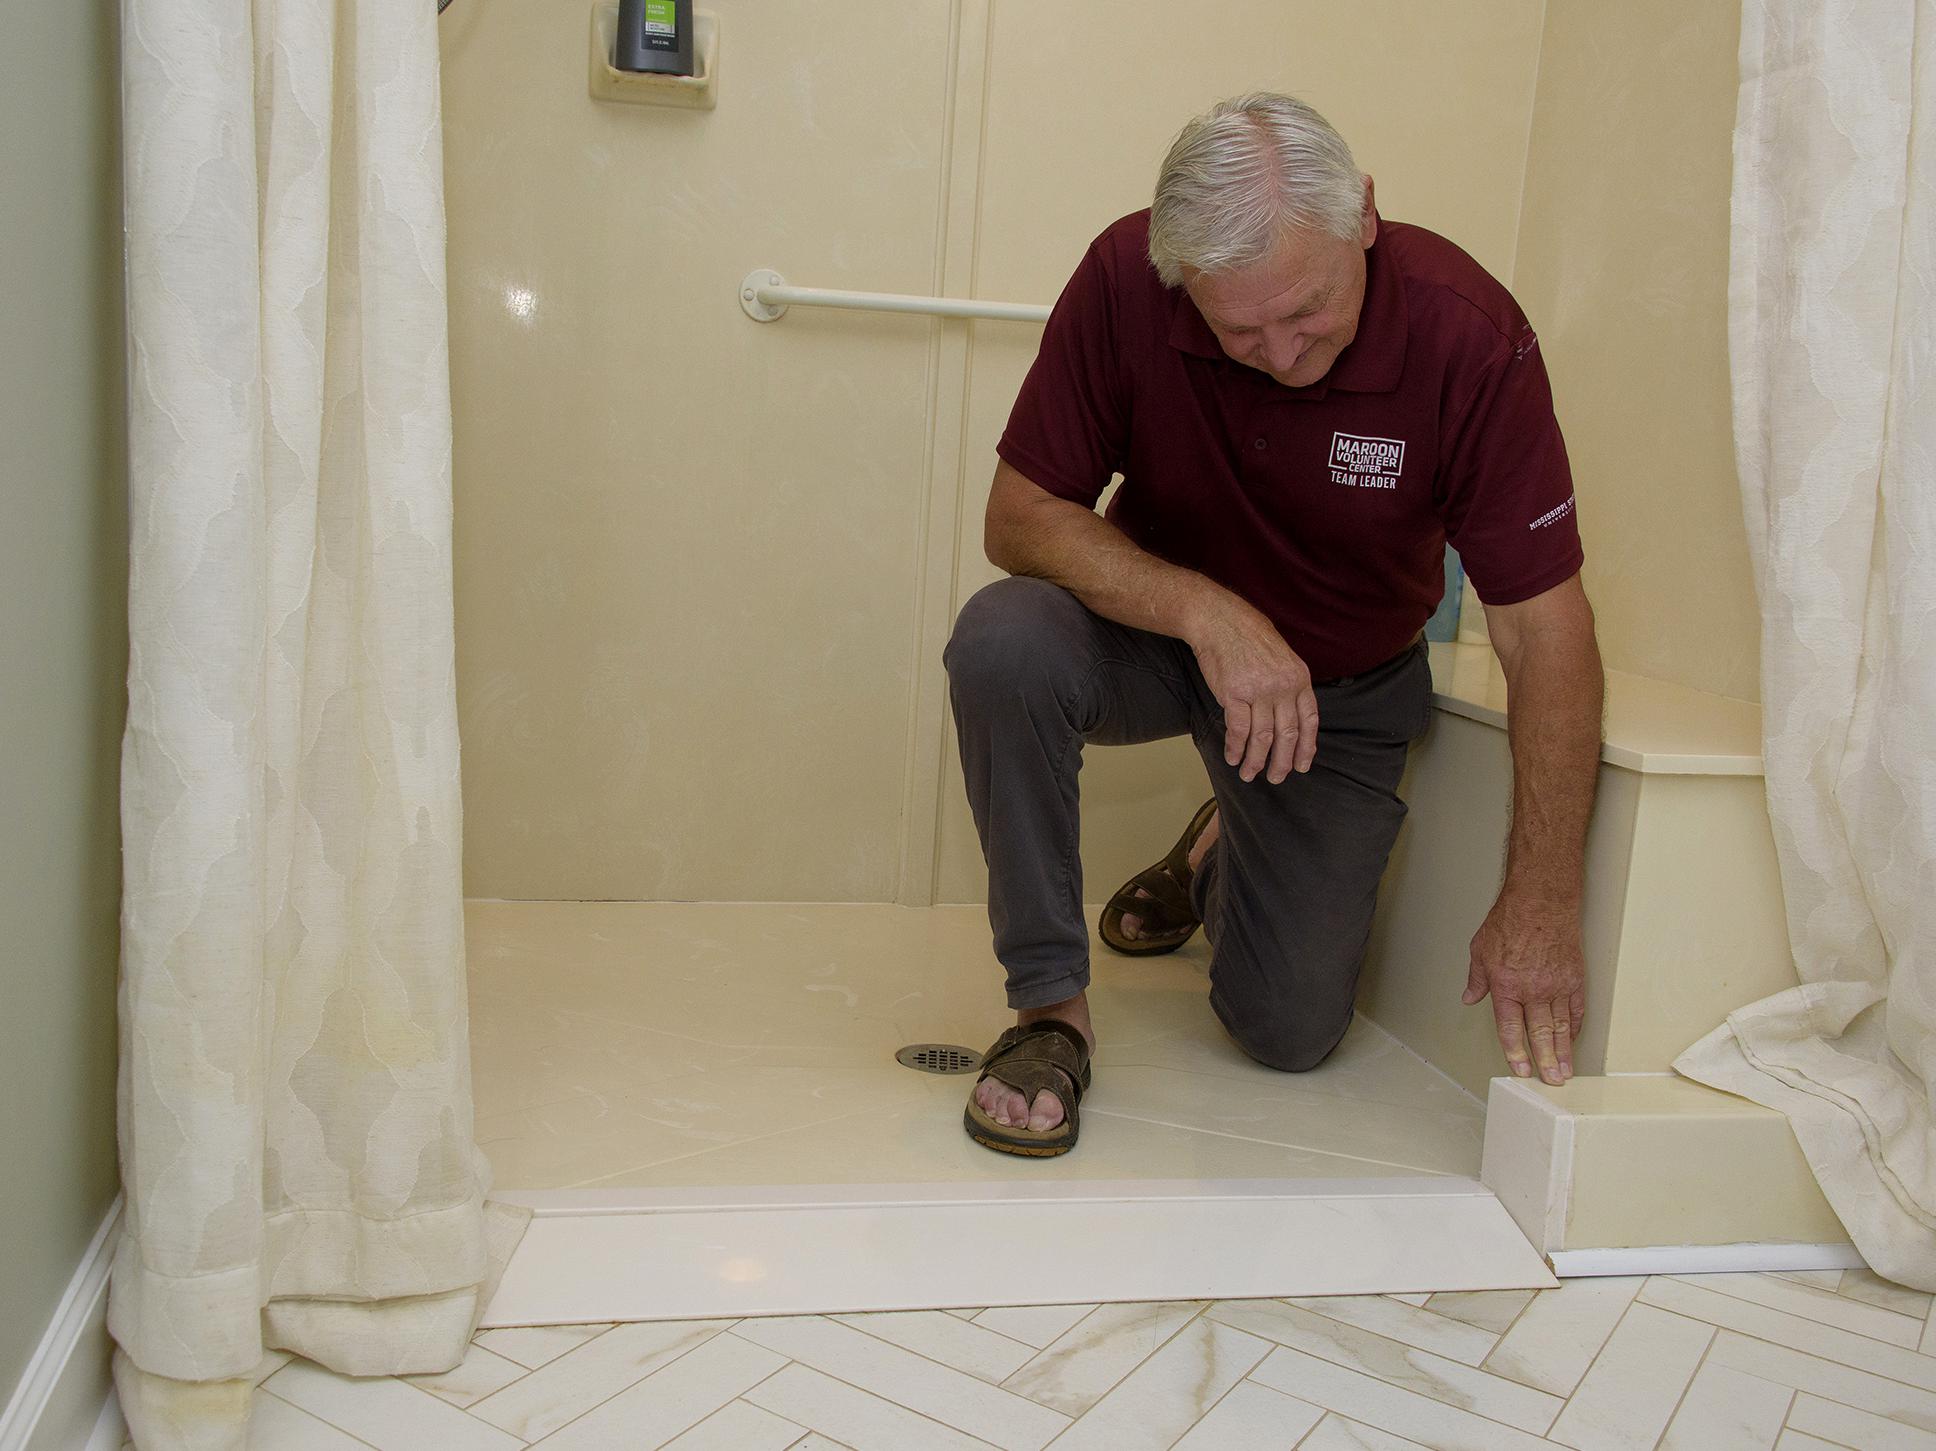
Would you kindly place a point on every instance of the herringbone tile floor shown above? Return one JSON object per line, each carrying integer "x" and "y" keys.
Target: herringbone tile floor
{"x": 1696, "y": 1363}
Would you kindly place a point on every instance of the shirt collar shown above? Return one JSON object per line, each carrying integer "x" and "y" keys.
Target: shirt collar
{"x": 1372, "y": 364}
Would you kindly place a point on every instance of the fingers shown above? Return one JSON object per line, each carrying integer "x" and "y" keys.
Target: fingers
{"x": 1576, "y": 1012}
{"x": 1263, "y": 734}
{"x": 1563, "y": 1038}
{"x": 1510, "y": 1019}
{"x": 1545, "y": 1034}
{"x": 1285, "y": 751}
{"x": 1476, "y": 985}
{"x": 1236, "y": 731}
{"x": 1307, "y": 728}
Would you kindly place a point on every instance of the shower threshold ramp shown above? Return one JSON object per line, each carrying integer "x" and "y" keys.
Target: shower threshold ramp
{"x": 677, "y": 1253}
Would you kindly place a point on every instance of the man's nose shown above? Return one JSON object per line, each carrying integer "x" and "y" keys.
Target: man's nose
{"x": 1282, "y": 351}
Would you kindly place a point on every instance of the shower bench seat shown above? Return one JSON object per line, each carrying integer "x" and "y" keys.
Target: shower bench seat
{"x": 1683, "y": 924}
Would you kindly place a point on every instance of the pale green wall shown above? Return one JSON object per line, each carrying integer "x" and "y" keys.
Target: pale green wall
{"x": 63, "y": 648}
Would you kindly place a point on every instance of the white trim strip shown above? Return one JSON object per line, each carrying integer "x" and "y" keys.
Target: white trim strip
{"x": 79, "y": 1308}
{"x": 856, "y": 1248}
{"x": 1703, "y": 1259}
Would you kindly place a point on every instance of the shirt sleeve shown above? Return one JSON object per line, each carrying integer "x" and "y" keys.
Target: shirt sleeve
{"x": 1507, "y": 492}
{"x": 1069, "y": 428}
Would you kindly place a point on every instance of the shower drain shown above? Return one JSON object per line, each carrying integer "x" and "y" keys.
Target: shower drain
{"x": 938, "y": 1058}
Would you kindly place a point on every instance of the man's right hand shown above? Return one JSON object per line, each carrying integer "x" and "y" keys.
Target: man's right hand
{"x": 1269, "y": 709}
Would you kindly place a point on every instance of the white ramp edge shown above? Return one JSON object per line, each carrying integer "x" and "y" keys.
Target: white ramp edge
{"x": 596, "y": 1255}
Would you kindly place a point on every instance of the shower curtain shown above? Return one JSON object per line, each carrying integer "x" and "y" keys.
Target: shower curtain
{"x": 1833, "y": 338}
{"x": 295, "y": 1108}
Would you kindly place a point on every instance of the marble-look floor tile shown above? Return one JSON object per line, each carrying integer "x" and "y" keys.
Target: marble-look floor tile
{"x": 1850, "y": 1426}
{"x": 1253, "y": 1417}
{"x": 276, "y": 1425}
{"x": 1036, "y": 1325}
{"x": 1630, "y": 1393}
{"x": 985, "y": 1411}
{"x": 1433, "y": 1376}
{"x": 739, "y": 1426}
{"x": 1374, "y": 1402}
{"x": 1794, "y": 1331}
{"x": 565, "y": 1388}
{"x": 1727, "y": 1410}
{"x": 1558, "y": 1334}
{"x": 671, "y": 1400}
{"x": 480, "y": 1373}
{"x": 850, "y": 1416}
{"x": 1493, "y": 1310}
{"x": 1414, "y": 1300}
{"x": 1871, "y": 1289}
{"x": 1170, "y": 1392}
{"x": 388, "y": 1414}
{"x": 534, "y": 1345}
{"x": 1080, "y": 1366}
{"x": 1825, "y": 1378}
{"x": 1335, "y": 1433}
{"x": 1828, "y": 1307}
{"x": 1421, "y": 1329}
{"x": 961, "y": 1344}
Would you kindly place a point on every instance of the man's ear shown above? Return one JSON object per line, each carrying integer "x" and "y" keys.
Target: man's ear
{"x": 1368, "y": 220}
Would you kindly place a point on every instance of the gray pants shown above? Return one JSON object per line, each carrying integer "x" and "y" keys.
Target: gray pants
{"x": 1285, "y": 896}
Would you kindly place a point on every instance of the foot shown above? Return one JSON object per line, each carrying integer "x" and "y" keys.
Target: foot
{"x": 1132, "y": 925}
{"x": 1007, "y": 1107}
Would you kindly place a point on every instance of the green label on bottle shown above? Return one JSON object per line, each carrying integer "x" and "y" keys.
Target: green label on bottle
{"x": 661, "y": 17}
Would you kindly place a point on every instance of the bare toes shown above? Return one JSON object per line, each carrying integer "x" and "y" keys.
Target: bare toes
{"x": 1047, "y": 1113}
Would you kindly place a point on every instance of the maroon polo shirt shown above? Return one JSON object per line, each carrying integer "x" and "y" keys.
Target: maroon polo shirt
{"x": 1327, "y": 507}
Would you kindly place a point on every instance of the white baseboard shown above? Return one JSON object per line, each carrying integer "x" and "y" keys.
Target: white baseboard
{"x": 59, "y": 1402}
{"x": 1703, "y": 1259}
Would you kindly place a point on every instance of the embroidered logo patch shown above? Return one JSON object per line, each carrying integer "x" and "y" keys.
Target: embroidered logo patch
{"x": 1366, "y": 463}
{"x": 1553, "y": 516}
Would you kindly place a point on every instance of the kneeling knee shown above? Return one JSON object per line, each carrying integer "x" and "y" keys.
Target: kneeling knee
{"x": 1000, "y": 631}
{"x": 1295, "y": 1047}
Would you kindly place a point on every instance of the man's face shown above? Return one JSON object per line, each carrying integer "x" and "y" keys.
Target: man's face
{"x": 1293, "y": 313}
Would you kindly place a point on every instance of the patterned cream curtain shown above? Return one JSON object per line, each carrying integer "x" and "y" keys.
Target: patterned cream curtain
{"x": 1833, "y": 333}
{"x": 295, "y": 1103}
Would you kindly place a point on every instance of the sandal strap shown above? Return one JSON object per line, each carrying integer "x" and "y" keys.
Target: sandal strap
{"x": 1047, "y": 1054}
{"x": 1155, "y": 896}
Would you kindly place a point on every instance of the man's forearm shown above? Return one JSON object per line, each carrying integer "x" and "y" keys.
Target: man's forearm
{"x": 1078, "y": 549}
{"x": 1555, "y": 692}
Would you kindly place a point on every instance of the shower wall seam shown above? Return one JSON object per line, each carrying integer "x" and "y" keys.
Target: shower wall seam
{"x": 951, "y": 362}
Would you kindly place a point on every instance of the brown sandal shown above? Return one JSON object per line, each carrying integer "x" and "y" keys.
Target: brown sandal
{"x": 1048, "y": 1053}
{"x": 1159, "y": 898}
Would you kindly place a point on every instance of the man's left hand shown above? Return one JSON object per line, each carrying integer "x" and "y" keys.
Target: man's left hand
{"x": 1527, "y": 955}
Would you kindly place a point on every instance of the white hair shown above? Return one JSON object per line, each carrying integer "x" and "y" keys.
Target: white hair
{"x": 1240, "y": 176}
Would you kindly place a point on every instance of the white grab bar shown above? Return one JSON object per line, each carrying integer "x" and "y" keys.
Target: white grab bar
{"x": 764, "y": 296}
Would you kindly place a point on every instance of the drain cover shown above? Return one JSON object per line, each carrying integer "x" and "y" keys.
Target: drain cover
{"x": 938, "y": 1058}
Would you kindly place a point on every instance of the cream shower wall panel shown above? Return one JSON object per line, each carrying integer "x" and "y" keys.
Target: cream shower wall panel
{"x": 687, "y": 544}
{"x": 1623, "y": 265}
{"x": 1082, "y": 101}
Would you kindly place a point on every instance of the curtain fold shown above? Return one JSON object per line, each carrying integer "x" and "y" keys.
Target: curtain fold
{"x": 295, "y": 1112}
{"x": 1832, "y": 337}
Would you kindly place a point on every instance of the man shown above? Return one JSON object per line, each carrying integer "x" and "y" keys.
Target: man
{"x": 1305, "y": 402}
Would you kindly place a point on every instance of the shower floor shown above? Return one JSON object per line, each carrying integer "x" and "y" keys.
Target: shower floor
{"x": 702, "y": 1106}
{"x": 661, "y": 1044}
